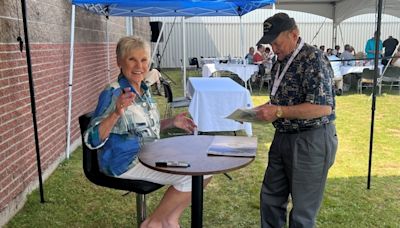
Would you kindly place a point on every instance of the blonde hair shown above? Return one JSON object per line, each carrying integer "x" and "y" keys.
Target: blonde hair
{"x": 128, "y": 43}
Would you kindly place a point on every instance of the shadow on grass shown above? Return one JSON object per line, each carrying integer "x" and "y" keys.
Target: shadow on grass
{"x": 73, "y": 201}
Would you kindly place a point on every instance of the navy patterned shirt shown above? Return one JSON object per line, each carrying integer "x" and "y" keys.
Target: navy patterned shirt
{"x": 309, "y": 79}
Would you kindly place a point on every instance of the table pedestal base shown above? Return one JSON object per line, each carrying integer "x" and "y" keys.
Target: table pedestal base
{"x": 197, "y": 201}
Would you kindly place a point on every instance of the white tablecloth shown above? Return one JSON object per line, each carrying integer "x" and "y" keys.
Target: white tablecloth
{"x": 358, "y": 69}
{"x": 215, "y": 98}
{"x": 217, "y": 60}
{"x": 243, "y": 71}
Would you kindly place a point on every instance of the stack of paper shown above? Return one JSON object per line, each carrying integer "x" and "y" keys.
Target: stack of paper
{"x": 236, "y": 148}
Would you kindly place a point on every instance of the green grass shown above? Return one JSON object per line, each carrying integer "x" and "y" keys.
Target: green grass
{"x": 73, "y": 201}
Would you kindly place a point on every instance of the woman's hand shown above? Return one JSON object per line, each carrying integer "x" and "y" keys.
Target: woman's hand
{"x": 124, "y": 100}
{"x": 183, "y": 122}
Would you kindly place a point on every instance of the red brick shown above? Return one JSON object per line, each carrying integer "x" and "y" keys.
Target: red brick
{"x": 50, "y": 73}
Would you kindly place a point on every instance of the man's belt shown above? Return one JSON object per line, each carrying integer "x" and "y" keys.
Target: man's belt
{"x": 302, "y": 129}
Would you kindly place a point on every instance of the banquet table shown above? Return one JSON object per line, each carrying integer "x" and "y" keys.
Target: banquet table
{"x": 244, "y": 71}
{"x": 358, "y": 69}
{"x": 212, "y": 99}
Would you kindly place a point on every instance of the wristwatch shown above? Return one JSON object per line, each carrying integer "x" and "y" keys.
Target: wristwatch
{"x": 279, "y": 112}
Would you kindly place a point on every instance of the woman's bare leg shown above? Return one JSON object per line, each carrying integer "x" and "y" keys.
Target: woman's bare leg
{"x": 170, "y": 209}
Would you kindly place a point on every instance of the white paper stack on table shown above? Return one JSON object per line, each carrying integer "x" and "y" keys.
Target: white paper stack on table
{"x": 230, "y": 146}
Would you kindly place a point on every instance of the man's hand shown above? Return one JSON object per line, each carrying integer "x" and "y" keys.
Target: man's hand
{"x": 266, "y": 112}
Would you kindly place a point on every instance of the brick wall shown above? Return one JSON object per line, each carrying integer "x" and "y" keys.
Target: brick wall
{"x": 49, "y": 30}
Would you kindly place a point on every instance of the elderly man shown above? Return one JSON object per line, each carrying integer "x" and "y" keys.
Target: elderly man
{"x": 302, "y": 109}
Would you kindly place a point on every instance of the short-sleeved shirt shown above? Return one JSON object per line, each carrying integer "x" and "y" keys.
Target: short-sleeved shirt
{"x": 249, "y": 58}
{"x": 257, "y": 57}
{"x": 139, "y": 124}
{"x": 370, "y": 46}
{"x": 309, "y": 79}
{"x": 390, "y": 45}
{"x": 346, "y": 55}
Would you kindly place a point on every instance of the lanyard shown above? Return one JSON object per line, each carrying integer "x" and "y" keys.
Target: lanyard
{"x": 279, "y": 77}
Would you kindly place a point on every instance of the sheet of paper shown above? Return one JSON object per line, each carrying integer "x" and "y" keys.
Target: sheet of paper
{"x": 243, "y": 115}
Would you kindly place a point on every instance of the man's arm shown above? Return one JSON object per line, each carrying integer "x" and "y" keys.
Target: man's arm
{"x": 305, "y": 111}
{"x": 267, "y": 112}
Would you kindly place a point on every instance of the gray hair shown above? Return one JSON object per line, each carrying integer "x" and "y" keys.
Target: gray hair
{"x": 128, "y": 43}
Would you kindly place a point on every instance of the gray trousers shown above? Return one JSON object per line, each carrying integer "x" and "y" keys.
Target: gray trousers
{"x": 298, "y": 165}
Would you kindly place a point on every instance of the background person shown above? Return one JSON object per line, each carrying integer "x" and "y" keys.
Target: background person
{"x": 329, "y": 51}
{"x": 249, "y": 56}
{"x": 347, "y": 55}
{"x": 370, "y": 48}
{"x": 396, "y": 59}
{"x": 259, "y": 55}
{"x": 126, "y": 117}
{"x": 337, "y": 49}
{"x": 390, "y": 45}
{"x": 259, "y": 59}
{"x": 302, "y": 110}
{"x": 269, "y": 58}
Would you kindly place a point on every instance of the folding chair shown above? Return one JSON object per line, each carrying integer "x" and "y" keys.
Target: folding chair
{"x": 194, "y": 65}
{"x": 172, "y": 102}
{"x": 391, "y": 75}
{"x": 266, "y": 78}
{"x": 366, "y": 80}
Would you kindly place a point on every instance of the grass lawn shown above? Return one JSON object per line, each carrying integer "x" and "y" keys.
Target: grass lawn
{"x": 73, "y": 201}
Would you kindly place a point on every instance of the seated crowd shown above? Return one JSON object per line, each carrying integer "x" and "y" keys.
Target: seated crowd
{"x": 264, "y": 57}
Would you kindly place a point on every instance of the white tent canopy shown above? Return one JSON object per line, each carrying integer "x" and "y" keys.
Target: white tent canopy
{"x": 338, "y": 10}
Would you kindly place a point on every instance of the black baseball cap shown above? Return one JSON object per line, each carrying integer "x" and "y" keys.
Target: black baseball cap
{"x": 274, "y": 25}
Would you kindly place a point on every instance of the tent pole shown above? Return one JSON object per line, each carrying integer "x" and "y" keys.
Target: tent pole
{"x": 108, "y": 51}
{"x": 128, "y": 26}
{"x": 242, "y": 50}
{"x": 184, "y": 54}
{"x": 32, "y": 94}
{"x": 334, "y": 25}
{"x": 71, "y": 76}
{"x": 371, "y": 139}
{"x": 242, "y": 43}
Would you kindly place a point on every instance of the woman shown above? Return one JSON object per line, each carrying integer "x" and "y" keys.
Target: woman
{"x": 126, "y": 117}
{"x": 249, "y": 56}
{"x": 396, "y": 59}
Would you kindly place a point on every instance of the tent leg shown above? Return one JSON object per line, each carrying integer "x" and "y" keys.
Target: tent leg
{"x": 184, "y": 54}
{"x": 71, "y": 76}
{"x": 377, "y": 71}
{"x": 33, "y": 103}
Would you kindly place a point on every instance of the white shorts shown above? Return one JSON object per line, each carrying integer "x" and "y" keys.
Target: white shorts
{"x": 182, "y": 183}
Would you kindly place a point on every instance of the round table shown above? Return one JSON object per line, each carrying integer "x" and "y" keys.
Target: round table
{"x": 193, "y": 150}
